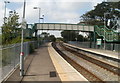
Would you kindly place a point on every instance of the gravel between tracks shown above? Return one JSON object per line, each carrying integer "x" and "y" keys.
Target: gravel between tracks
{"x": 98, "y": 71}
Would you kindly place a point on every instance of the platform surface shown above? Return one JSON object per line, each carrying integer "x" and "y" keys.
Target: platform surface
{"x": 46, "y": 65}
{"x": 38, "y": 67}
{"x": 99, "y": 51}
{"x": 65, "y": 71}
{"x": 41, "y": 67}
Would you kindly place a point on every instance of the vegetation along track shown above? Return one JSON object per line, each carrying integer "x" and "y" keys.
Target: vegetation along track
{"x": 90, "y": 76}
{"x": 106, "y": 66}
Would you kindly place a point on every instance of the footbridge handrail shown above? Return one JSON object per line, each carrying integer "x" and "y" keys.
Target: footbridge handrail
{"x": 108, "y": 34}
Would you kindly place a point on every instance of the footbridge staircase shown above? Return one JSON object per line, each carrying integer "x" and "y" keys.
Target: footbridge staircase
{"x": 108, "y": 34}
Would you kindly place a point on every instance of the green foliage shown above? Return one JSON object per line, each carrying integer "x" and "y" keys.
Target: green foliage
{"x": 80, "y": 38}
{"x": 31, "y": 48}
{"x": 18, "y": 40}
{"x": 72, "y": 36}
{"x": 10, "y": 28}
{"x": 0, "y": 39}
{"x": 59, "y": 39}
{"x": 96, "y": 16}
{"x": 45, "y": 35}
{"x": 69, "y": 35}
{"x": 52, "y": 38}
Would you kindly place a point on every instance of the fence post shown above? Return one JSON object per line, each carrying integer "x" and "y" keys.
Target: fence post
{"x": 14, "y": 55}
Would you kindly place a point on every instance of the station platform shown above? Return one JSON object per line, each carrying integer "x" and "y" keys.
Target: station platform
{"x": 107, "y": 53}
{"x": 45, "y": 64}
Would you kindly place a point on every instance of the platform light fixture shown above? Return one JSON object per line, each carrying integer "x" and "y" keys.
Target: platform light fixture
{"x": 5, "y": 9}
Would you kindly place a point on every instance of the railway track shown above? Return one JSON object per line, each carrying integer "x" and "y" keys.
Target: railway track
{"x": 96, "y": 54}
{"x": 106, "y": 66}
{"x": 90, "y": 76}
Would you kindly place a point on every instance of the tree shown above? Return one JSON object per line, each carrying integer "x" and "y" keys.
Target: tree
{"x": 80, "y": 38}
{"x": 0, "y": 39}
{"x": 44, "y": 35}
{"x": 69, "y": 35}
{"x": 96, "y": 16}
{"x": 52, "y": 38}
{"x": 59, "y": 39}
{"x": 10, "y": 28}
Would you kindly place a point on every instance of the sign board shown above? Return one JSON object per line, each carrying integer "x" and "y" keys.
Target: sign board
{"x": 99, "y": 41}
{"x": 24, "y": 24}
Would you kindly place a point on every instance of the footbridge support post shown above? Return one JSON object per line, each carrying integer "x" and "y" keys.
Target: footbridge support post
{"x": 91, "y": 40}
{"x": 94, "y": 39}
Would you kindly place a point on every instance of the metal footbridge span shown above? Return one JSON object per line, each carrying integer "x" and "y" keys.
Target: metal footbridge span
{"x": 62, "y": 26}
{"x": 102, "y": 31}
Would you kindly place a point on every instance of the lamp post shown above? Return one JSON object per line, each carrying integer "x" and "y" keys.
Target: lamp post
{"x": 5, "y": 9}
{"x": 104, "y": 29}
{"x": 42, "y": 18}
{"x": 39, "y": 20}
{"x": 39, "y": 11}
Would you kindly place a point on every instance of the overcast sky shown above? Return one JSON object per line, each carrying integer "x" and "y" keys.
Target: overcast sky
{"x": 54, "y": 11}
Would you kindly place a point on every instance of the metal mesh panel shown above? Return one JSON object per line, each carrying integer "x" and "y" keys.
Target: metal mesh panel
{"x": 11, "y": 54}
{"x": 109, "y": 46}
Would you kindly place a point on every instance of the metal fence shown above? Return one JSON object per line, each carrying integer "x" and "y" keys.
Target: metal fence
{"x": 109, "y": 46}
{"x": 10, "y": 55}
{"x": 0, "y": 54}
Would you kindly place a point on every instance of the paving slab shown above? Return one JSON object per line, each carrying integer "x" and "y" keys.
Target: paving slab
{"x": 41, "y": 67}
{"x": 65, "y": 71}
{"x": 38, "y": 67}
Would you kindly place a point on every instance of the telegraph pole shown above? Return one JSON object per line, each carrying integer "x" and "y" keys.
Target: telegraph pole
{"x": 22, "y": 53}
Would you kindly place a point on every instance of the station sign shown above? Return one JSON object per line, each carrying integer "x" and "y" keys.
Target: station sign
{"x": 99, "y": 41}
{"x": 24, "y": 24}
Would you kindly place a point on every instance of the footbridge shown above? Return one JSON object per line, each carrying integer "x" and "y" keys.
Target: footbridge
{"x": 63, "y": 26}
{"x": 102, "y": 31}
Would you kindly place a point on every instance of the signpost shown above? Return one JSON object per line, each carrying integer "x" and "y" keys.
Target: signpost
{"x": 99, "y": 42}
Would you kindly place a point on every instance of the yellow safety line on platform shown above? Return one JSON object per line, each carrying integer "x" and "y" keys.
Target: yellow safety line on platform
{"x": 65, "y": 71}
{"x": 58, "y": 67}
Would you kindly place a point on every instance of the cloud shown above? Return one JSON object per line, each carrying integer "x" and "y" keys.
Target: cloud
{"x": 95, "y": 2}
{"x": 54, "y": 10}
{"x": 61, "y": 11}
{"x": 2, "y": 13}
{"x": 59, "y": 16}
